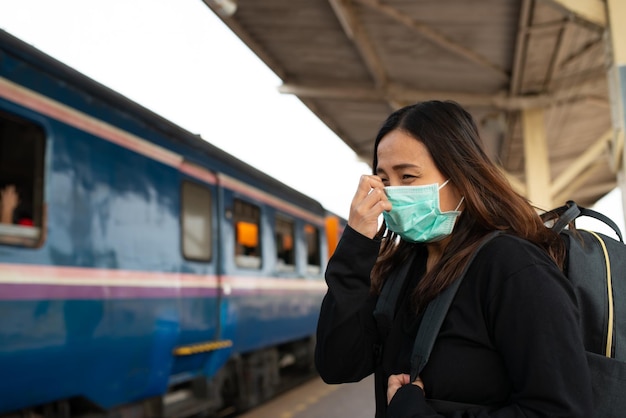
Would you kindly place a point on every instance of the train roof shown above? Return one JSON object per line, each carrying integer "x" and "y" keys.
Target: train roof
{"x": 175, "y": 133}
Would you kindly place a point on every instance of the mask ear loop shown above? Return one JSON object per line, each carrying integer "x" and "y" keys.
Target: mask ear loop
{"x": 459, "y": 205}
{"x": 443, "y": 184}
{"x": 462, "y": 197}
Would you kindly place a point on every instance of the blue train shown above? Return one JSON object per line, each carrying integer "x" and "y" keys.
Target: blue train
{"x": 143, "y": 271}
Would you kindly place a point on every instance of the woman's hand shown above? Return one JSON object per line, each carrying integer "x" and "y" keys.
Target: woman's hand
{"x": 367, "y": 205}
{"x": 396, "y": 381}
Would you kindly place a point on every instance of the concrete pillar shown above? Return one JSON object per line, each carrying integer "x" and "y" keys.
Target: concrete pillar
{"x": 616, "y": 12}
{"x": 537, "y": 164}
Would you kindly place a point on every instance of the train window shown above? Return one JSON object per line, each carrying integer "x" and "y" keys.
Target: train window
{"x": 312, "y": 234}
{"x": 285, "y": 255}
{"x": 196, "y": 222}
{"x": 246, "y": 218}
{"x": 22, "y": 147}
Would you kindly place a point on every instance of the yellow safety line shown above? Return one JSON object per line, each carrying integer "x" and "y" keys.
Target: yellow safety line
{"x": 188, "y": 350}
{"x": 609, "y": 286}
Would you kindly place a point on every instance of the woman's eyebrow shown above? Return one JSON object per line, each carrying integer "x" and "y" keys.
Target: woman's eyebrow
{"x": 399, "y": 167}
{"x": 406, "y": 165}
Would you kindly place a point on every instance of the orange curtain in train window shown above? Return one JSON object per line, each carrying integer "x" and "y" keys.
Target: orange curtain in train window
{"x": 333, "y": 233}
{"x": 310, "y": 232}
{"x": 247, "y": 234}
{"x": 287, "y": 242}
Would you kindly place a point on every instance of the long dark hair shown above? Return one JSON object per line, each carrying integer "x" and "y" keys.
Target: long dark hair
{"x": 450, "y": 135}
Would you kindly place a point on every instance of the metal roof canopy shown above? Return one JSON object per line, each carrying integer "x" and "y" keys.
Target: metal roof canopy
{"x": 533, "y": 73}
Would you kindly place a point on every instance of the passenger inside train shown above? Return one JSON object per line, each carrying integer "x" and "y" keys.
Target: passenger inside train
{"x": 22, "y": 146}
{"x": 13, "y": 209}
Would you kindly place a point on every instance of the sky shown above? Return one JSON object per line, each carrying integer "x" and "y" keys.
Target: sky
{"x": 176, "y": 58}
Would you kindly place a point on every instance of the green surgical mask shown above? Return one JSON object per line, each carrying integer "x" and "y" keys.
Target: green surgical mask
{"x": 416, "y": 215}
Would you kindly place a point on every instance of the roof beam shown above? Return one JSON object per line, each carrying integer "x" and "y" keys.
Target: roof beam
{"x": 576, "y": 186}
{"x": 356, "y": 32}
{"x": 402, "y": 94}
{"x": 345, "y": 13}
{"x": 521, "y": 46}
{"x": 582, "y": 51}
{"x": 578, "y": 167}
{"x": 543, "y": 28}
{"x": 518, "y": 186}
{"x": 434, "y": 36}
{"x": 593, "y": 11}
{"x": 517, "y": 71}
{"x": 411, "y": 95}
{"x": 556, "y": 54}
{"x": 339, "y": 92}
{"x": 578, "y": 80}
{"x": 500, "y": 100}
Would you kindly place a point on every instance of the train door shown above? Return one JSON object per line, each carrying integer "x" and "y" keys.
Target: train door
{"x": 200, "y": 347}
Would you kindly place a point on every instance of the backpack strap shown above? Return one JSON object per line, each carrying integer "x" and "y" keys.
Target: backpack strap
{"x": 386, "y": 303}
{"x": 570, "y": 211}
{"x": 434, "y": 315}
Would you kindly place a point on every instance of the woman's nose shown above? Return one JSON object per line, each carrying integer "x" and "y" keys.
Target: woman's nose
{"x": 395, "y": 182}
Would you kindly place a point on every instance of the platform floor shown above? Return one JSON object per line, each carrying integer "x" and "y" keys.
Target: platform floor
{"x": 315, "y": 399}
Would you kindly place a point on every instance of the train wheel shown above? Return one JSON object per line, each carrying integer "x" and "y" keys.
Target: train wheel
{"x": 258, "y": 378}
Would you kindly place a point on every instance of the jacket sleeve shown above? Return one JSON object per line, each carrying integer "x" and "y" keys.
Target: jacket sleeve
{"x": 346, "y": 330}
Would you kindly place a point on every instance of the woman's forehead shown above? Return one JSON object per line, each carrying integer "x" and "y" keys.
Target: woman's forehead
{"x": 398, "y": 147}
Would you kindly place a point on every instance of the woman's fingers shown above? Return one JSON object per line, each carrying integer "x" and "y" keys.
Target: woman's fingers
{"x": 395, "y": 382}
{"x": 419, "y": 382}
{"x": 368, "y": 203}
{"x": 366, "y": 184}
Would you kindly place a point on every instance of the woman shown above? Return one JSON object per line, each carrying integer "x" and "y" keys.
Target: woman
{"x": 510, "y": 345}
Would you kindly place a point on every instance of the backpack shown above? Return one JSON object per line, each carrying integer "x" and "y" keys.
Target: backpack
{"x": 596, "y": 266}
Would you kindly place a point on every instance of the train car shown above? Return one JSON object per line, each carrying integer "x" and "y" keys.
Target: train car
{"x": 143, "y": 271}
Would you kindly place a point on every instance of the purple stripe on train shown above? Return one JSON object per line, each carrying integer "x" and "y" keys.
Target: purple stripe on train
{"x": 13, "y": 291}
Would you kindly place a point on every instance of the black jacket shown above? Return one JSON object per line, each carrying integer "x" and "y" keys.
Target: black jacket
{"x": 510, "y": 341}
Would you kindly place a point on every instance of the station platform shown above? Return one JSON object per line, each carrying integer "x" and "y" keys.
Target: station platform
{"x": 314, "y": 399}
